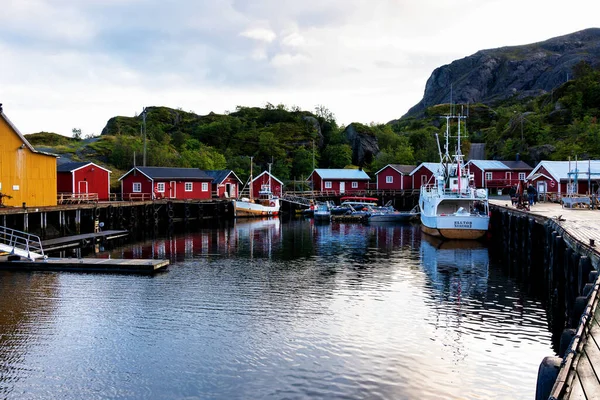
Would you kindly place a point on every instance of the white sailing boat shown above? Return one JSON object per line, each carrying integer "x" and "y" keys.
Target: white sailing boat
{"x": 450, "y": 206}
{"x": 265, "y": 205}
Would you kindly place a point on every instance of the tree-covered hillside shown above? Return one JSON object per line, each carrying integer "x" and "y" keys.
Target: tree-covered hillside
{"x": 556, "y": 125}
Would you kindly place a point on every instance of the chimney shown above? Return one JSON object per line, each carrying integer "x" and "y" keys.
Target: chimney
{"x": 517, "y": 157}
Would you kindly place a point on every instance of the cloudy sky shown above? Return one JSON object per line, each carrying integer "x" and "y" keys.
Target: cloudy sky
{"x": 76, "y": 63}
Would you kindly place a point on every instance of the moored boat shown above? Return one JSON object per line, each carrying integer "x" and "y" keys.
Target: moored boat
{"x": 389, "y": 214}
{"x": 322, "y": 212}
{"x": 265, "y": 205}
{"x": 349, "y": 204}
{"x": 450, "y": 207}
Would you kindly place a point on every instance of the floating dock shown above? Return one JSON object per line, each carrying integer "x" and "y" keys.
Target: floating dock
{"x": 136, "y": 266}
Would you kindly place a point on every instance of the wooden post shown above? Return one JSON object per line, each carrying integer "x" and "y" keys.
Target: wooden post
{"x": 78, "y": 221}
{"x": 26, "y": 222}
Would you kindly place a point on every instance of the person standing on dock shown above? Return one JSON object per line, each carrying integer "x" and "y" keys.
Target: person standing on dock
{"x": 531, "y": 193}
{"x": 513, "y": 194}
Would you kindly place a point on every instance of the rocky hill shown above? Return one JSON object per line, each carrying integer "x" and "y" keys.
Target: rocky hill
{"x": 515, "y": 72}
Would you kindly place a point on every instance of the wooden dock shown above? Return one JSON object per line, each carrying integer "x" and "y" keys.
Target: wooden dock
{"x": 136, "y": 266}
{"x": 82, "y": 240}
{"x": 579, "y": 374}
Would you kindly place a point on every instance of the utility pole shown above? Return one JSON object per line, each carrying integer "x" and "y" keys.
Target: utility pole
{"x": 313, "y": 143}
{"x": 144, "y": 128}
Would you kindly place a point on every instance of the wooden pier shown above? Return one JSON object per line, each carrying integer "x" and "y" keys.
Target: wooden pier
{"x": 136, "y": 266}
{"x": 577, "y": 373}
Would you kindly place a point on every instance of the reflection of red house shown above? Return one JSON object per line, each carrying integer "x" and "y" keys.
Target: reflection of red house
{"x": 267, "y": 179}
{"x": 225, "y": 183}
{"x": 564, "y": 177}
{"x": 83, "y": 178}
{"x": 394, "y": 177}
{"x": 498, "y": 174}
{"x": 163, "y": 182}
{"x": 339, "y": 180}
{"x": 423, "y": 174}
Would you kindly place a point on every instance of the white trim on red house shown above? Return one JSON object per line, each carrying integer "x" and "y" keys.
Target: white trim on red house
{"x": 266, "y": 172}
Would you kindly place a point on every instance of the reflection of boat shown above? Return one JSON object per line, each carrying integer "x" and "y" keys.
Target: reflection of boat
{"x": 389, "y": 214}
{"x": 265, "y": 205}
{"x": 456, "y": 261}
{"x": 450, "y": 207}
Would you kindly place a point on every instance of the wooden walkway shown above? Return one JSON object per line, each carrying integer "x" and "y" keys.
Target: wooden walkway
{"x": 579, "y": 376}
{"x": 137, "y": 266}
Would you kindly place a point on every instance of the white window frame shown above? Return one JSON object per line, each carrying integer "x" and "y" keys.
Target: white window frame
{"x": 389, "y": 179}
{"x": 205, "y": 186}
{"x": 328, "y": 185}
{"x": 354, "y": 185}
{"x": 160, "y": 187}
{"x": 521, "y": 176}
{"x": 137, "y": 187}
{"x": 189, "y": 186}
{"x": 488, "y": 176}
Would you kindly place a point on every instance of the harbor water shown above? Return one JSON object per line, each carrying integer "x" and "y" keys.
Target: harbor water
{"x": 277, "y": 310}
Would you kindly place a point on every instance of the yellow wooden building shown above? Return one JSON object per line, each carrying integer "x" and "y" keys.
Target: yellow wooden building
{"x": 26, "y": 175}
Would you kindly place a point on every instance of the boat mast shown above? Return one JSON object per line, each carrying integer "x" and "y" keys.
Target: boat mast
{"x": 250, "y": 182}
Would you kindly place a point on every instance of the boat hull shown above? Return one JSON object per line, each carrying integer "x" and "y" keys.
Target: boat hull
{"x": 455, "y": 227}
{"x": 468, "y": 234}
{"x": 244, "y": 209}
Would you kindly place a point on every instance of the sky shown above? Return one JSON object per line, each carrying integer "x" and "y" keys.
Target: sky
{"x": 68, "y": 64}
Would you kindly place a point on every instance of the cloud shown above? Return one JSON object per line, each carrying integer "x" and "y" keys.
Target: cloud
{"x": 260, "y": 34}
{"x": 68, "y": 63}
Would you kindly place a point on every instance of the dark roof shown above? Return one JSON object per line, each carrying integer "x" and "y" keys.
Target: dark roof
{"x": 405, "y": 169}
{"x": 219, "y": 175}
{"x": 517, "y": 165}
{"x": 68, "y": 167}
{"x": 174, "y": 173}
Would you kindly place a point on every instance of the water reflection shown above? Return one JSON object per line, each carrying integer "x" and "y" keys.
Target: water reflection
{"x": 456, "y": 268}
{"x": 277, "y": 309}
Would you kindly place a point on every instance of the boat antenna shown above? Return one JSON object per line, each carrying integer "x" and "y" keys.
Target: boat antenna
{"x": 437, "y": 139}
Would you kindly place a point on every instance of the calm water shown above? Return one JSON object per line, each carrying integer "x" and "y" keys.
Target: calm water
{"x": 277, "y": 310}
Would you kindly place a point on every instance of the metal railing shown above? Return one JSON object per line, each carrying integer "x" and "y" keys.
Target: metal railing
{"x": 21, "y": 243}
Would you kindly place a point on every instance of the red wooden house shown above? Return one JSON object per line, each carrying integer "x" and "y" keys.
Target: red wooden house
{"x": 339, "y": 181}
{"x": 566, "y": 177}
{"x": 423, "y": 174}
{"x": 225, "y": 183}
{"x": 267, "y": 178}
{"x": 500, "y": 175}
{"x": 165, "y": 182}
{"x": 394, "y": 177}
{"x": 83, "y": 181}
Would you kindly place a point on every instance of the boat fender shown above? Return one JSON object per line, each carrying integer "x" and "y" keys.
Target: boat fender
{"x": 547, "y": 374}
{"x": 272, "y": 204}
{"x": 97, "y": 212}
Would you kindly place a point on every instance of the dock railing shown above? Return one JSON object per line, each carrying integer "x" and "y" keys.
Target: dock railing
{"x": 77, "y": 198}
{"x": 20, "y": 243}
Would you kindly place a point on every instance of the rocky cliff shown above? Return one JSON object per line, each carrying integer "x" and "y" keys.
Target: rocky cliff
{"x": 489, "y": 76}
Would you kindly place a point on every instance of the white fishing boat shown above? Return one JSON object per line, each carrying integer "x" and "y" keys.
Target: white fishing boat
{"x": 265, "y": 205}
{"x": 450, "y": 206}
